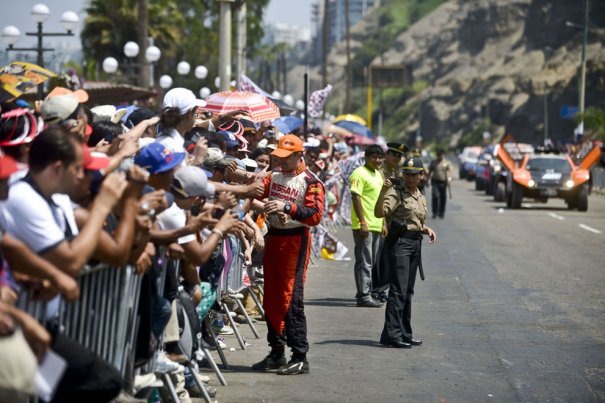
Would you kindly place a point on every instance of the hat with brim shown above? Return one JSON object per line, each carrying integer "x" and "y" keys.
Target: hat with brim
{"x": 287, "y": 145}
{"x": 412, "y": 165}
{"x": 107, "y": 113}
{"x": 59, "y": 107}
{"x": 93, "y": 161}
{"x": 156, "y": 158}
{"x": 81, "y": 95}
{"x": 397, "y": 148}
{"x": 8, "y": 166}
{"x": 191, "y": 181}
{"x": 31, "y": 127}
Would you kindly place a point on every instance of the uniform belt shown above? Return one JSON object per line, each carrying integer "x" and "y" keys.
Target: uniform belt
{"x": 411, "y": 235}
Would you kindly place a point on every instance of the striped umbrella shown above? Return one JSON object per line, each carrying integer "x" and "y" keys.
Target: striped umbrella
{"x": 258, "y": 107}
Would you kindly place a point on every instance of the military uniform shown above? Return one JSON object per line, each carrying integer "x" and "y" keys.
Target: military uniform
{"x": 394, "y": 172}
{"x": 440, "y": 174}
{"x": 403, "y": 257}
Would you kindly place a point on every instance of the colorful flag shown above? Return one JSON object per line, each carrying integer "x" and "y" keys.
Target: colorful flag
{"x": 318, "y": 100}
{"x": 245, "y": 84}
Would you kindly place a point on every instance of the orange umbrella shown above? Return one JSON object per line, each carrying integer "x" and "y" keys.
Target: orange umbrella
{"x": 258, "y": 107}
{"x": 351, "y": 118}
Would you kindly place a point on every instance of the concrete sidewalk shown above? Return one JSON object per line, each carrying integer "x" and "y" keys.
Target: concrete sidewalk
{"x": 347, "y": 363}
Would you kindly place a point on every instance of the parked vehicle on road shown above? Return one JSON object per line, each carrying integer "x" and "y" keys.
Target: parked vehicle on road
{"x": 468, "y": 161}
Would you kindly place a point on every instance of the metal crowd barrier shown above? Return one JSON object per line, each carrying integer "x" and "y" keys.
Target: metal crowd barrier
{"x": 598, "y": 180}
{"x": 104, "y": 319}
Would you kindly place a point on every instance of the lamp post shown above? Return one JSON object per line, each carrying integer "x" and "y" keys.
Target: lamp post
{"x": 40, "y": 13}
{"x": 583, "y": 71}
{"x": 131, "y": 50}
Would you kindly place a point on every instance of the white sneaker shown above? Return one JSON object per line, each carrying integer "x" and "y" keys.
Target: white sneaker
{"x": 225, "y": 330}
{"x": 163, "y": 365}
{"x": 147, "y": 381}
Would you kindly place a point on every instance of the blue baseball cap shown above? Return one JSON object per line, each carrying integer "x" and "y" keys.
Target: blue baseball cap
{"x": 229, "y": 138}
{"x": 156, "y": 158}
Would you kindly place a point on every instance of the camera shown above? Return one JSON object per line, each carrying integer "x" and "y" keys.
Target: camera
{"x": 218, "y": 213}
{"x": 195, "y": 210}
{"x": 397, "y": 182}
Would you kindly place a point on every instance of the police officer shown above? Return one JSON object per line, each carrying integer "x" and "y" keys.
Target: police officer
{"x": 405, "y": 208}
{"x": 392, "y": 160}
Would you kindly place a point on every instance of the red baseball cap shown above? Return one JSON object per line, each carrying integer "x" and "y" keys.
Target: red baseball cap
{"x": 93, "y": 161}
{"x": 8, "y": 166}
{"x": 287, "y": 145}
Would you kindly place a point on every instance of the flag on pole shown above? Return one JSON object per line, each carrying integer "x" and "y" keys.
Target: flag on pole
{"x": 245, "y": 84}
{"x": 318, "y": 100}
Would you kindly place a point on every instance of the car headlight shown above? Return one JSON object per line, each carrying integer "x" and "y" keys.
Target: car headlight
{"x": 531, "y": 183}
{"x": 569, "y": 183}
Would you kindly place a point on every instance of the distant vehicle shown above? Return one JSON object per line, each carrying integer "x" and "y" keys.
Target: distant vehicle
{"x": 483, "y": 172}
{"x": 468, "y": 161}
{"x": 546, "y": 175}
{"x": 499, "y": 172}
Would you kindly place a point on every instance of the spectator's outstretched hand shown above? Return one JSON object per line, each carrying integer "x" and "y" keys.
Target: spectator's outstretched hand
{"x": 112, "y": 188}
{"x": 67, "y": 287}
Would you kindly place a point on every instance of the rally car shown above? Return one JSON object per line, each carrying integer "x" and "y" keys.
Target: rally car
{"x": 544, "y": 175}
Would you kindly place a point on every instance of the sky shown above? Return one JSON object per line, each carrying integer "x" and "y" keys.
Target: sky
{"x": 292, "y": 12}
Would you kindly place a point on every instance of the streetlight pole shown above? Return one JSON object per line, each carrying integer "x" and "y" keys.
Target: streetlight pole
{"x": 40, "y": 13}
{"x": 224, "y": 52}
{"x": 583, "y": 68}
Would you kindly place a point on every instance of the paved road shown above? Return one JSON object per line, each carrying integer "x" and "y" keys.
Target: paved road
{"x": 512, "y": 309}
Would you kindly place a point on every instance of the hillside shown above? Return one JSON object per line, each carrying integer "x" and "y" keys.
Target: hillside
{"x": 478, "y": 62}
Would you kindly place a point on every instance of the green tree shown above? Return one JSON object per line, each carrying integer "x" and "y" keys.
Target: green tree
{"x": 594, "y": 121}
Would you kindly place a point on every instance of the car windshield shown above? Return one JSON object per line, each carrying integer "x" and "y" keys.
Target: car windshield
{"x": 549, "y": 165}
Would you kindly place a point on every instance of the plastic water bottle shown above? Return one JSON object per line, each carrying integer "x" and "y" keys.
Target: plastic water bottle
{"x": 239, "y": 209}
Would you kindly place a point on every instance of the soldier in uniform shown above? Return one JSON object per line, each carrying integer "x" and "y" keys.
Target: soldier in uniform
{"x": 392, "y": 160}
{"x": 405, "y": 208}
{"x": 440, "y": 174}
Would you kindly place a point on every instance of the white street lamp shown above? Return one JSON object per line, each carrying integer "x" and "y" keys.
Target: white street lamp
{"x": 300, "y": 104}
{"x": 153, "y": 54}
{"x": 276, "y": 95}
{"x": 10, "y": 35}
{"x": 110, "y": 65}
{"x": 183, "y": 68}
{"x": 69, "y": 20}
{"x": 165, "y": 82}
{"x": 288, "y": 99}
{"x": 201, "y": 72}
{"x": 204, "y": 92}
{"x": 40, "y": 13}
{"x": 217, "y": 82}
{"x": 131, "y": 49}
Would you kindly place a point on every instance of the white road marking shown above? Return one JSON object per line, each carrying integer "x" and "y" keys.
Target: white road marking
{"x": 587, "y": 228}
{"x": 557, "y": 216}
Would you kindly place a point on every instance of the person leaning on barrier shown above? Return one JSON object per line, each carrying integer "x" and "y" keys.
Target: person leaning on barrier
{"x": 405, "y": 209}
{"x": 35, "y": 214}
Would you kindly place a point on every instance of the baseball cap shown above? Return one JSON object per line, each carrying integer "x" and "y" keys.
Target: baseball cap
{"x": 182, "y": 99}
{"x": 19, "y": 126}
{"x": 137, "y": 116}
{"x": 250, "y": 164}
{"x": 229, "y": 138}
{"x": 59, "y": 107}
{"x": 214, "y": 156}
{"x": 8, "y": 166}
{"x": 191, "y": 181}
{"x": 107, "y": 112}
{"x": 93, "y": 161}
{"x": 156, "y": 158}
{"x": 81, "y": 95}
{"x": 287, "y": 145}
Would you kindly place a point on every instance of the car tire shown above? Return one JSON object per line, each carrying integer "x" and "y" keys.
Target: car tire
{"x": 516, "y": 196}
{"x": 500, "y": 192}
{"x": 462, "y": 173}
{"x": 479, "y": 184}
{"x": 582, "y": 201}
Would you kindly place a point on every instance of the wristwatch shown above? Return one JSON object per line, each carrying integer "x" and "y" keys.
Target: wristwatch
{"x": 287, "y": 208}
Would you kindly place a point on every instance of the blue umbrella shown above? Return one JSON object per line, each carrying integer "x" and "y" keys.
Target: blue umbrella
{"x": 355, "y": 128}
{"x": 287, "y": 124}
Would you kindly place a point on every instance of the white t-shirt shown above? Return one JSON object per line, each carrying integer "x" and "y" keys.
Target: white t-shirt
{"x": 172, "y": 140}
{"x": 41, "y": 225}
{"x": 173, "y": 218}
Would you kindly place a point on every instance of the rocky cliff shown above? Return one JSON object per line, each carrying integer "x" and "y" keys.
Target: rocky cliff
{"x": 499, "y": 59}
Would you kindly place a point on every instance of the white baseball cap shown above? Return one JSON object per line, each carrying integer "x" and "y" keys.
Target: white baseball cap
{"x": 182, "y": 99}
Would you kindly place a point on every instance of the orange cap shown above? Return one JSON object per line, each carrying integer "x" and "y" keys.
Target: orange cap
{"x": 287, "y": 145}
{"x": 58, "y": 91}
